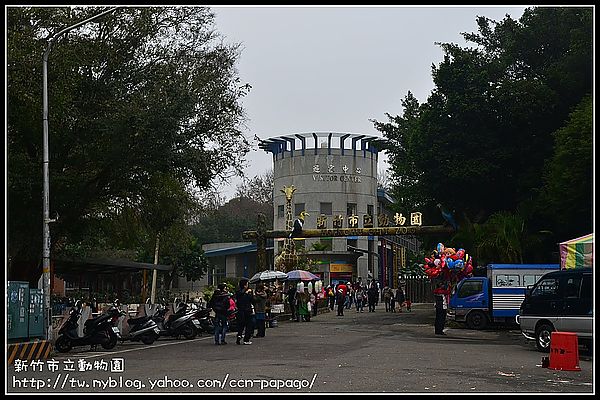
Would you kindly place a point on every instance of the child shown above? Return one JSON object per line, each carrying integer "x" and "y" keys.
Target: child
{"x": 408, "y": 303}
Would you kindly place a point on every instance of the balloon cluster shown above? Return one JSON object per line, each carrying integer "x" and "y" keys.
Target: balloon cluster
{"x": 448, "y": 264}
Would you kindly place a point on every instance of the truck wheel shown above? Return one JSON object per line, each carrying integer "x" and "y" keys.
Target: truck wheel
{"x": 476, "y": 320}
{"x": 542, "y": 337}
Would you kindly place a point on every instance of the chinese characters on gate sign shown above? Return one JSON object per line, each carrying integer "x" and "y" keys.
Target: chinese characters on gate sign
{"x": 382, "y": 220}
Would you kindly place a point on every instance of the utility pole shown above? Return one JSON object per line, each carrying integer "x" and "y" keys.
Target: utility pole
{"x": 46, "y": 199}
{"x": 154, "y": 273}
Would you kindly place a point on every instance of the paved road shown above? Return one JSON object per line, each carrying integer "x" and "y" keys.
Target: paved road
{"x": 360, "y": 352}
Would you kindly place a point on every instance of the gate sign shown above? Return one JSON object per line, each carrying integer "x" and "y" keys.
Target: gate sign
{"x": 416, "y": 219}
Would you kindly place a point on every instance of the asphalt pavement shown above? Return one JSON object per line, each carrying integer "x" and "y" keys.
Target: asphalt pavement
{"x": 365, "y": 352}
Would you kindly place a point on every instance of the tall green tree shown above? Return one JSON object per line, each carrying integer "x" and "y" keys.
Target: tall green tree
{"x": 481, "y": 142}
{"x": 140, "y": 92}
{"x": 401, "y": 133}
{"x": 567, "y": 194}
{"x": 228, "y": 222}
{"x": 166, "y": 213}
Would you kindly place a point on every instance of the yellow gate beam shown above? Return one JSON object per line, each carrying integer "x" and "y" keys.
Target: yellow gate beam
{"x": 387, "y": 231}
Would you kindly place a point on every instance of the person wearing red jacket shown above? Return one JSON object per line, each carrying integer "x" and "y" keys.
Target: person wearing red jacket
{"x": 341, "y": 292}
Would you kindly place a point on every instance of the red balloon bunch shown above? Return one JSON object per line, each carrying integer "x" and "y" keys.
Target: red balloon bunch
{"x": 448, "y": 264}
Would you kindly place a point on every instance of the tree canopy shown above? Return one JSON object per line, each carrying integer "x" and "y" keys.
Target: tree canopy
{"x": 496, "y": 133}
{"x": 143, "y": 103}
{"x": 259, "y": 188}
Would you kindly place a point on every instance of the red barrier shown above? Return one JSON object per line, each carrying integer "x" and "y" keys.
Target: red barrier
{"x": 564, "y": 351}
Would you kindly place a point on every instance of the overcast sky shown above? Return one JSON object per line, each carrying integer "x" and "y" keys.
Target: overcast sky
{"x": 331, "y": 69}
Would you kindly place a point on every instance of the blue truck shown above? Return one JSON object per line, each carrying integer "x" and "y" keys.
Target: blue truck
{"x": 496, "y": 298}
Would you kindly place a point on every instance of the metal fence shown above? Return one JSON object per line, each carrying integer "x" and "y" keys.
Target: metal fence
{"x": 417, "y": 289}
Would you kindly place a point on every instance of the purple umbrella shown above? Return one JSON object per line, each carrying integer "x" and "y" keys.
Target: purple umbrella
{"x": 302, "y": 275}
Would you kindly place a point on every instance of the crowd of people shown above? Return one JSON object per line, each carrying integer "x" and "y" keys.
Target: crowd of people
{"x": 250, "y": 309}
{"x": 303, "y": 303}
{"x": 345, "y": 295}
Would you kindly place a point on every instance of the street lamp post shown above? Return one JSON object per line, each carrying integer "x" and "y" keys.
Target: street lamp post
{"x": 46, "y": 200}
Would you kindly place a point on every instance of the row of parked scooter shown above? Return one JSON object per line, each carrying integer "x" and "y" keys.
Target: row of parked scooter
{"x": 186, "y": 321}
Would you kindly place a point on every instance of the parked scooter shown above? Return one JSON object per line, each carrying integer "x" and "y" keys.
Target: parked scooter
{"x": 181, "y": 323}
{"x": 205, "y": 318}
{"x": 97, "y": 331}
{"x": 142, "y": 328}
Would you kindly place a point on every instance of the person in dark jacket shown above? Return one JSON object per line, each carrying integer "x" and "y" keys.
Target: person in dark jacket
{"x": 392, "y": 300}
{"x": 372, "y": 295}
{"x": 219, "y": 302}
{"x": 260, "y": 301}
{"x": 314, "y": 298}
{"x": 331, "y": 297}
{"x": 291, "y": 299}
{"x": 440, "y": 294}
{"x": 244, "y": 299}
{"x": 400, "y": 298}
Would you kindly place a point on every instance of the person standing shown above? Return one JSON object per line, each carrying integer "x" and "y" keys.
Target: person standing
{"x": 291, "y": 299}
{"x": 232, "y": 314}
{"x": 260, "y": 301}
{"x": 400, "y": 298}
{"x": 244, "y": 316}
{"x": 341, "y": 291}
{"x": 372, "y": 295}
{"x": 392, "y": 300}
{"x": 303, "y": 302}
{"x": 387, "y": 295}
{"x": 314, "y": 298}
{"x": 349, "y": 295}
{"x": 219, "y": 302}
{"x": 331, "y": 297}
{"x": 359, "y": 294}
{"x": 441, "y": 307}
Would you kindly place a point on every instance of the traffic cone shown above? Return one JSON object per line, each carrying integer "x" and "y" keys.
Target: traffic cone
{"x": 564, "y": 351}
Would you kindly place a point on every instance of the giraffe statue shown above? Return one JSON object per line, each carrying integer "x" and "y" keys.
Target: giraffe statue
{"x": 287, "y": 259}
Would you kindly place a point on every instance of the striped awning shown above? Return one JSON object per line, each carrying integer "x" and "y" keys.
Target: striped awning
{"x": 577, "y": 253}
